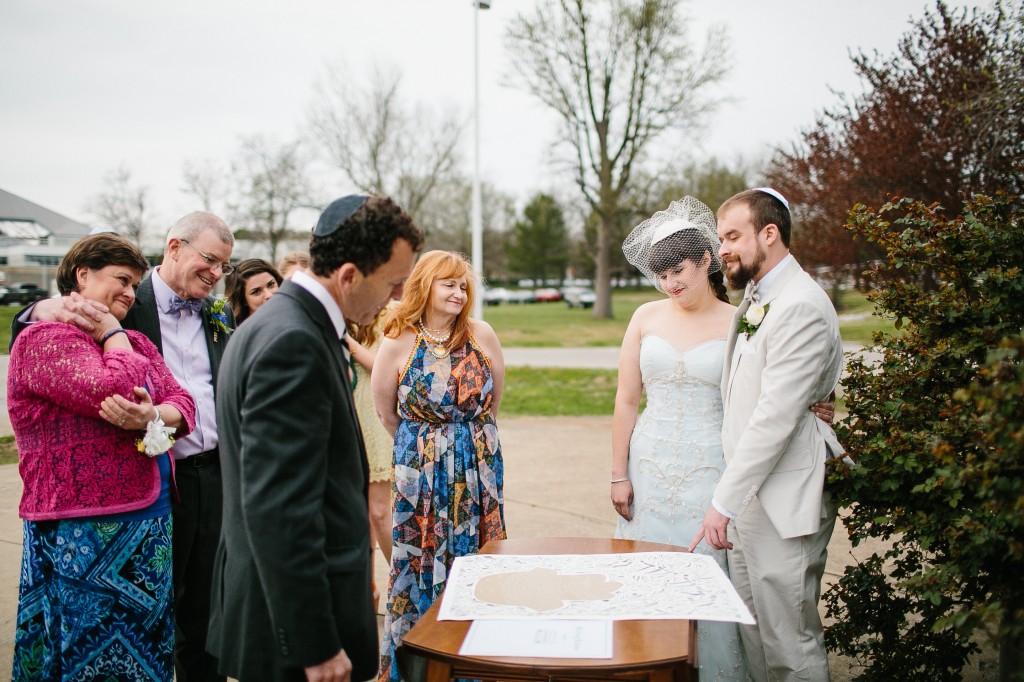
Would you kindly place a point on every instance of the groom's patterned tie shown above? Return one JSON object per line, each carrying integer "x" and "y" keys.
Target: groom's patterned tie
{"x": 749, "y": 297}
{"x": 751, "y": 294}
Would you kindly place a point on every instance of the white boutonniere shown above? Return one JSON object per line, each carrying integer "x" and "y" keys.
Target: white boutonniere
{"x": 752, "y": 319}
{"x": 157, "y": 440}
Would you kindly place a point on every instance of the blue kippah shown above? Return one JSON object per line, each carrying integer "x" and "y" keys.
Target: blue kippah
{"x": 337, "y": 212}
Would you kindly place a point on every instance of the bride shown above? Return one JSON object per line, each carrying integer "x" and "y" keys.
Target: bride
{"x": 665, "y": 464}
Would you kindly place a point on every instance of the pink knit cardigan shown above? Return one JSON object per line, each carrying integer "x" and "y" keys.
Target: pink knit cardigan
{"x": 71, "y": 461}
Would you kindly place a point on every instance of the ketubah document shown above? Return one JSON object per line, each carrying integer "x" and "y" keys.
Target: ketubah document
{"x": 644, "y": 585}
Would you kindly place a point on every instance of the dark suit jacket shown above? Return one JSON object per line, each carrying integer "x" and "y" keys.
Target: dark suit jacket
{"x": 292, "y": 580}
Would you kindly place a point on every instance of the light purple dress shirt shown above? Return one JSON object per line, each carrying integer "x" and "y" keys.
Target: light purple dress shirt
{"x": 186, "y": 355}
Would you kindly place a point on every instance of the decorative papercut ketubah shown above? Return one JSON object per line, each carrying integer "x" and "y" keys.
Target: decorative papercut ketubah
{"x": 653, "y": 585}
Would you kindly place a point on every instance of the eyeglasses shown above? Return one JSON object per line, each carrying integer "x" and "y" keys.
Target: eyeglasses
{"x": 225, "y": 268}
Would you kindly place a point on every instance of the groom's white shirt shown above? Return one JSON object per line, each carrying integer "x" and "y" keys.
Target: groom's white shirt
{"x": 775, "y": 448}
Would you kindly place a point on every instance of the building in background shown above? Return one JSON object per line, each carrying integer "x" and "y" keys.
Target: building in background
{"x": 33, "y": 239}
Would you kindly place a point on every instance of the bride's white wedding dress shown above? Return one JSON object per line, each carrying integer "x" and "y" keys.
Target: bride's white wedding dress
{"x": 675, "y": 461}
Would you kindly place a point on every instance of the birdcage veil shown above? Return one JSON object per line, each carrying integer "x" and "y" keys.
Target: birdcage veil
{"x": 686, "y": 230}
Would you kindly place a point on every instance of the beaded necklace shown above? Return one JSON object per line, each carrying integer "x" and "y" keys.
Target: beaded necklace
{"x": 438, "y": 350}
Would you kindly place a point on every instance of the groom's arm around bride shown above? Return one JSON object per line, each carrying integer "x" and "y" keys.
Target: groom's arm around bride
{"x": 784, "y": 353}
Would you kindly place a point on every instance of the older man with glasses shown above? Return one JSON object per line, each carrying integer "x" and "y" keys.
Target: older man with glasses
{"x": 174, "y": 308}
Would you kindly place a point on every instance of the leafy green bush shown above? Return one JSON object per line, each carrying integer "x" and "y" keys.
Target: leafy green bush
{"x": 936, "y": 428}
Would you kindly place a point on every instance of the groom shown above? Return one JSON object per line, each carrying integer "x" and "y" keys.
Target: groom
{"x": 783, "y": 354}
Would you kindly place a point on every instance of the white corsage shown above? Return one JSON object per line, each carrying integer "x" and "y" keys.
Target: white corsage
{"x": 158, "y": 438}
{"x": 752, "y": 319}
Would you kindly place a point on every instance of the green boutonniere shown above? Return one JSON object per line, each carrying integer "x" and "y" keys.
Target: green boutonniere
{"x": 218, "y": 319}
{"x": 752, "y": 319}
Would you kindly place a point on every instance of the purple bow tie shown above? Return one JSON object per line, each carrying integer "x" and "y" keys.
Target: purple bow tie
{"x": 178, "y": 304}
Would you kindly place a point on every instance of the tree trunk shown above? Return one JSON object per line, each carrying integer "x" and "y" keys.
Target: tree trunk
{"x": 602, "y": 271}
{"x": 836, "y": 294}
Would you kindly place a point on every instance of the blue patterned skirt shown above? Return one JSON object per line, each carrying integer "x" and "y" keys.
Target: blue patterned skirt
{"x": 94, "y": 601}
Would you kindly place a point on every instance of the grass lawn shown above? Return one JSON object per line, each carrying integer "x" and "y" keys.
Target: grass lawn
{"x": 8, "y": 450}
{"x": 557, "y": 325}
{"x": 857, "y": 321}
{"x": 540, "y": 391}
{"x": 6, "y": 315}
{"x": 859, "y": 331}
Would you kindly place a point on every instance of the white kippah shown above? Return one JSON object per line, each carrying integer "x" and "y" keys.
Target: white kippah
{"x": 774, "y": 193}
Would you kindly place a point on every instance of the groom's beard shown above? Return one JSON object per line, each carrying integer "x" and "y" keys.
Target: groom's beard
{"x": 738, "y": 273}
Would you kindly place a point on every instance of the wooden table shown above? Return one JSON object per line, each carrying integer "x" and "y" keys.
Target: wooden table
{"x": 656, "y": 650}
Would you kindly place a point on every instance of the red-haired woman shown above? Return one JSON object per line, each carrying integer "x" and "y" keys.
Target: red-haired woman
{"x": 437, "y": 385}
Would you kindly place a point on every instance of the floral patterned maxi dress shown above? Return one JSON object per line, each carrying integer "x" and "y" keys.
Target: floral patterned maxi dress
{"x": 447, "y": 495}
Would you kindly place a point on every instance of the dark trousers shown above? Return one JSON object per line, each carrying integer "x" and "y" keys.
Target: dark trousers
{"x": 197, "y": 521}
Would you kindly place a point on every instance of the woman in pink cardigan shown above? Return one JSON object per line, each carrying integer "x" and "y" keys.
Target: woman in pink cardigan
{"x": 92, "y": 414}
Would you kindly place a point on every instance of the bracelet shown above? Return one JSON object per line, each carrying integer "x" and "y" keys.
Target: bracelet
{"x": 620, "y": 480}
{"x": 106, "y": 337}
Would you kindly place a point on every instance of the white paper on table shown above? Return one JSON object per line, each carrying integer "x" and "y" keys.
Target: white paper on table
{"x": 539, "y": 638}
{"x": 654, "y": 585}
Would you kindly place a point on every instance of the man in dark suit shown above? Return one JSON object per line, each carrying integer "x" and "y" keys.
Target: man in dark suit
{"x": 292, "y": 586}
{"x": 175, "y": 310}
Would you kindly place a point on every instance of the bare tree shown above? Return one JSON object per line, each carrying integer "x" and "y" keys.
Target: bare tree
{"x": 617, "y": 73}
{"x": 445, "y": 218}
{"x": 205, "y": 181}
{"x": 122, "y": 206}
{"x": 270, "y": 184}
{"x": 379, "y": 142}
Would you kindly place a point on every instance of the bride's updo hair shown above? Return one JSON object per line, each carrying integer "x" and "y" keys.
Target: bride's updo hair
{"x": 691, "y": 245}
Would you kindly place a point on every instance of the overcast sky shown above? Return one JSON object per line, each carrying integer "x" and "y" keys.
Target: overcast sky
{"x": 88, "y": 85}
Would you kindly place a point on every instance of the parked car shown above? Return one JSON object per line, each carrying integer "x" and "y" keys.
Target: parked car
{"x": 21, "y": 293}
{"x": 521, "y": 296}
{"x": 495, "y": 296}
{"x": 579, "y": 297}
{"x": 547, "y": 295}
{"x": 500, "y": 295}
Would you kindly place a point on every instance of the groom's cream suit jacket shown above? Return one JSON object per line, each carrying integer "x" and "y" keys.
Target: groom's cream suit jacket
{"x": 775, "y": 448}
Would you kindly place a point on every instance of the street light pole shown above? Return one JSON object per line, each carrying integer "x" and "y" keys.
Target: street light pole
{"x": 476, "y": 215}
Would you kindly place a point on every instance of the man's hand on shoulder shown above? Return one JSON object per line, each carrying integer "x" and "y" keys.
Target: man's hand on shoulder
{"x": 337, "y": 669}
{"x": 74, "y": 309}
